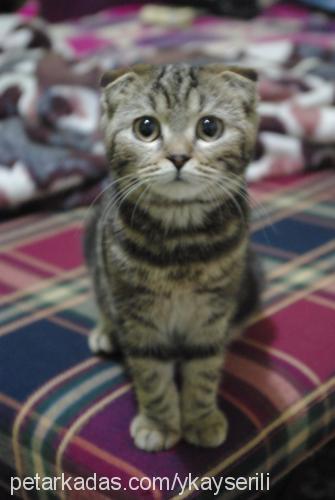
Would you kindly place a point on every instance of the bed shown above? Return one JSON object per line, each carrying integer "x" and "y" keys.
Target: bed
{"x": 64, "y": 412}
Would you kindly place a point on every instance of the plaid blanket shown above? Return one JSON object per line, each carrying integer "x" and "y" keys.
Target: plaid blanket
{"x": 49, "y": 101}
{"x": 64, "y": 411}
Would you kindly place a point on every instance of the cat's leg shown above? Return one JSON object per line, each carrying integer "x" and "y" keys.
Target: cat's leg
{"x": 157, "y": 424}
{"x": 101, "y": 340}
{"x": 203, "y": 423}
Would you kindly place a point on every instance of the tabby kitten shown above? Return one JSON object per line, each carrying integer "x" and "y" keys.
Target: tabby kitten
{"x": 168, "y": 246}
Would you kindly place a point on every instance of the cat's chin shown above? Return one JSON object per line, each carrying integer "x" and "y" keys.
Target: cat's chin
{"x": 178, "y": 190}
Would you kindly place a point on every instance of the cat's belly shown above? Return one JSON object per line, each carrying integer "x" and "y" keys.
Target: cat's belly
{"x": 180, "y": 311}
{"x": 183, "y": 313}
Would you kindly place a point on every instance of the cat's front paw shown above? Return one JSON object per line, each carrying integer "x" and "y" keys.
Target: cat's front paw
{"x": 150, "y": 435}
{"x": 209, "y": 432}
{"x": 100, "y": 343}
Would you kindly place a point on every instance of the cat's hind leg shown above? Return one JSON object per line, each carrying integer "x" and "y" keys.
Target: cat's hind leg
{"x": 102, "y": 338}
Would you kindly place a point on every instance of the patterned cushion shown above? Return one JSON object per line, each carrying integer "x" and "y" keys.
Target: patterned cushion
{"x": 64, "y": 410}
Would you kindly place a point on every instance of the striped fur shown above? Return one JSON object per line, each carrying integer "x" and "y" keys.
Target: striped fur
{"x": 170, "y": 259}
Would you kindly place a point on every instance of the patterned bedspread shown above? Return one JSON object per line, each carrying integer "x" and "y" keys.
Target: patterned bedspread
{"x": 49, "y": 104}
{"x": 65, "y": 411}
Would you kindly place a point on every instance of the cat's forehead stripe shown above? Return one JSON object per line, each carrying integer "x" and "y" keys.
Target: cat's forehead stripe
{"x": 158, "y": 91}
{"x": 175, "y": 84}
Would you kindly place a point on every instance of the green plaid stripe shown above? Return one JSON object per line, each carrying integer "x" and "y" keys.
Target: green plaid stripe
{"x": 301, "y": 278}
{"x": 55, "y": 295}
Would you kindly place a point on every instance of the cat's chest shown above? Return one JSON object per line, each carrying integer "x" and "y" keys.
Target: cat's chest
{"x": 181, "y": 311}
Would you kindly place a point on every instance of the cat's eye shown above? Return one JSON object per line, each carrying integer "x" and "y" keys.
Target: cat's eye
{"x": 209, "y": 128}
{"x": 147, "y": 128}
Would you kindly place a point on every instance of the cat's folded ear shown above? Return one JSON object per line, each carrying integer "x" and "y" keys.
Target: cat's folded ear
{"x": 116, "y": 82}
{"x": 241, "y": 80}
{"x": 121, "y": 74}
{"x": 248, "y": 73}
{"x": 236, "y": 80}
{"x": 233, "y": 71}
{"x": 114, "y": 75}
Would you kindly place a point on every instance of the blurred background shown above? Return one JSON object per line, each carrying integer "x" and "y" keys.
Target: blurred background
{"x": 53, "y": 53}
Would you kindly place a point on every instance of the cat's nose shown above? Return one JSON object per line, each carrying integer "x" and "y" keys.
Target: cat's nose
{"x": 178, "y": 160}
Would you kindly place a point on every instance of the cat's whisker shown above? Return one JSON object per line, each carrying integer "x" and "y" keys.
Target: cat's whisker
{"x": 231, "y": 196}
{"x": 107, "y": 188}
{"x": 120, "y": 196}
{"x": 110, "y": 185}
{"x": 237, "y": 186}
{"x": 228, "y": 193}
{"x": 126, "y": 195}
{"x": 145, "y": 191}
{"x": 157, "y": 178}
{"x": 149, "y": 168}
{"x": 256, "y": 203}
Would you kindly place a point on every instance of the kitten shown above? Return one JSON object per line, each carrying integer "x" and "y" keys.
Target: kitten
{"x": 168, "y": 246}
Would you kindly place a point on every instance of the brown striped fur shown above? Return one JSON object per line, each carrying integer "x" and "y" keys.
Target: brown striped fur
{"x": 170, "y": 259}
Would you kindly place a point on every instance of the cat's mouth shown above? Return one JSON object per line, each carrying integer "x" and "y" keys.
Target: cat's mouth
{"x": 178, "y": 178}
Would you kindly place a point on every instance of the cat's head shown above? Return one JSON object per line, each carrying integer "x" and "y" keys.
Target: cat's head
{"x": 184, "y": 132}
